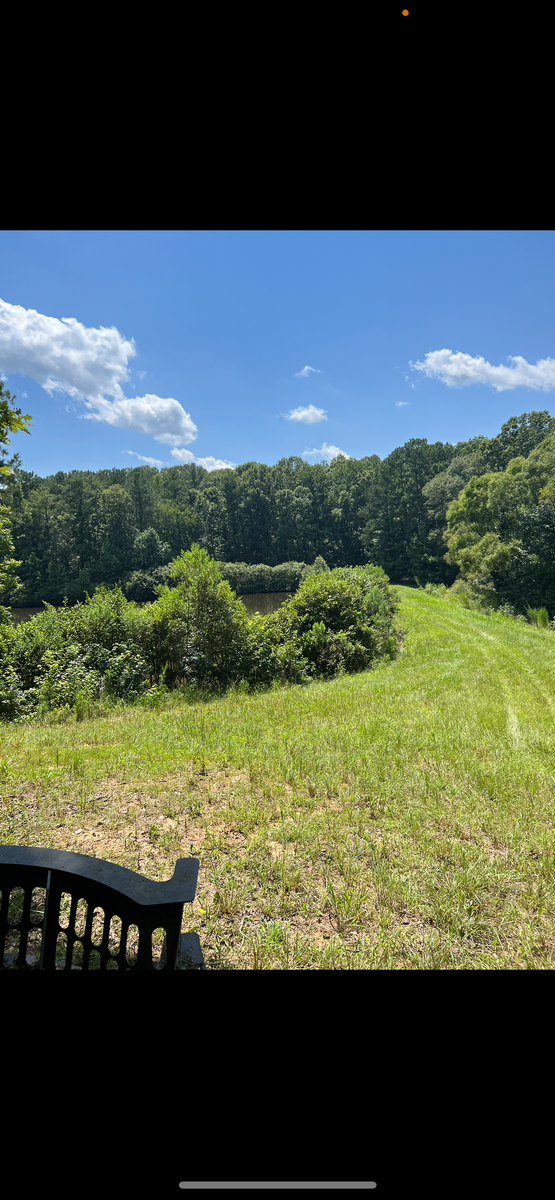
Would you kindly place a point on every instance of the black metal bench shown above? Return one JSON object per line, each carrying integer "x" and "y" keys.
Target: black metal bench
{"x": 65, "y": 911}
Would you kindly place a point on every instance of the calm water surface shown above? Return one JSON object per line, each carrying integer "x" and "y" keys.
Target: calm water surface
{"x": 262, "y": 602}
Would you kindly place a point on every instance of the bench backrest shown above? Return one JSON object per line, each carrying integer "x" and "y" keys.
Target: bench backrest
{"x": 95, "y": 914}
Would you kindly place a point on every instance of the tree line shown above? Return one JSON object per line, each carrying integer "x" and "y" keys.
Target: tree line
{"x": 75, "y": 531}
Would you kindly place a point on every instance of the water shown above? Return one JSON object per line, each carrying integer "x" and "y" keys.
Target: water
{"x": 24, "y": 614}
{"x": 262, "y": 602}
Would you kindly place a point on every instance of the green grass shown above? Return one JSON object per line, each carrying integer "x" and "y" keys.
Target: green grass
{"x": 402, "y": 819}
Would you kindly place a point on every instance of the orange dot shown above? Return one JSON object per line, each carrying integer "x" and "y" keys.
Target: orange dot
{"x": 405, "y": 12}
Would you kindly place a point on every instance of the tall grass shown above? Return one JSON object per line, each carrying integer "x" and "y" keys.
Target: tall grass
{"x": 538, "y": 616}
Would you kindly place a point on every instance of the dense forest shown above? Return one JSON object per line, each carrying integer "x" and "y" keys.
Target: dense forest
{"x": 75, "y": 531}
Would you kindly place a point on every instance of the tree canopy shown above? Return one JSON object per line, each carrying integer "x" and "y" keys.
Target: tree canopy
{"x": 75, "y": 531}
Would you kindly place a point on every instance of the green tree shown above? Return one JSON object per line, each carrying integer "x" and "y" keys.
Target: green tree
{"x": 517, "y": 438}
{"x": 199, "y": 630}
{"x": 118, "y": 533}
{"x": 395, "y": 534}
{"x": 12, "y": 420}
{"x": 9, "y": 583}
{"x": 501, "y": 532}
{"x": 149, "y": 551}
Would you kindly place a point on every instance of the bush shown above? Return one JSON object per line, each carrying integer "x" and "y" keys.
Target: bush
{"x": 11, "y": 694}
{"x": 436, "y": 589}
{"x": 270, "y": 657}
{"x": 197, "y": 635}
{"x": 318, "y": 565}
{"x": 506, "y": 610}
{"x": 141, "y": 585}
{"x": 340, "y": 620}
{"x": 65, "y": 681}
{"x": 467, "y": 595}
{"x": 198, "y": 630}
{"x": 69, "y": 657}
{"x": 246, "y": 580}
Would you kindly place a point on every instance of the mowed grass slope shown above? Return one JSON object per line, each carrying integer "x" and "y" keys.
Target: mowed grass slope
{"x": 400, "y": 819}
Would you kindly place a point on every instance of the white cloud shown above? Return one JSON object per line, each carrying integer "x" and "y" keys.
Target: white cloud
{"x": 209, "y": 463}
{"x": 325, "y": 451}
{"x": 152, "y": 462}
{"x": 309, "y": 415}
{"x": 462, "y": 370}
{"x": 401, "y": 403}
{"x": 165, "y": 420}
{"x": 89, "y": 365}
{"x": 306, "y": 371}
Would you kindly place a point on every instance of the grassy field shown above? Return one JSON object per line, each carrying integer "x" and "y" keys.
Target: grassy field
{"x": 403, "y": 819}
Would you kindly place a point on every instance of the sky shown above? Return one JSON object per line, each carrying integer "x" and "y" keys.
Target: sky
{"x": 225, "y": 347}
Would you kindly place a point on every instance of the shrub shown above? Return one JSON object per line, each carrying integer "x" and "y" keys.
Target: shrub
{"x": 436, "y": 589}
{"x": 198, "y": 630}
{"x": 318, "y": 565}
{"x": 11, "y": 694}
{"x": 246, "y": 579}
{"x": 142, "y": 585}
{"x": 341, "y": 620}
{"x": 196, "y": 635}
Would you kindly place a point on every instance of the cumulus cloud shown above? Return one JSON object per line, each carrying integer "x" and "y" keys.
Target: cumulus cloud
{"x": 462, "y": 370}
{"x": 165, "y": 420}
{"x": 209, "y": 463}
{"x": 306, "y": 371}
{"x": 325, "y": 451}
{"x": 401, "y": 403}
{"x": 89, "y": 365}
{"x": 152, "y": 462}
{"x": 309, "y": 415}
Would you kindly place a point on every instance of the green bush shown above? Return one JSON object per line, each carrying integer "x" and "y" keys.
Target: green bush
{"x": 341, "y": 620}
{"x": 198, "y": 629}
{"x": 11, "y": 694}
{"x": 141, "y": 585}
{"x": 196, "y": 635}
{"x": 71, "y": 656}
{"x": 318, "y": 565}
{"x": 246, "y": 579}
{"x": 436, "y": 589}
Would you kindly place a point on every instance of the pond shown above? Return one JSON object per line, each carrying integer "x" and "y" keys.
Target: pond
{"x": 24, "y": 614}
{"x": 262, "y": 602}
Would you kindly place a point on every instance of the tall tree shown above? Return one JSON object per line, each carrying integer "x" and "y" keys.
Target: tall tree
{"x": 12, "y": 420}
{"x": 397, "y": 521}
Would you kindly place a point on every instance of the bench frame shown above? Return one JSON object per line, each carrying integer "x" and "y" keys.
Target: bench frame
{"x": 102, "y": 885}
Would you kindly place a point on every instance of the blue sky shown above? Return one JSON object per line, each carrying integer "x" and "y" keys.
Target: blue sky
{"x": 193, "y": 345}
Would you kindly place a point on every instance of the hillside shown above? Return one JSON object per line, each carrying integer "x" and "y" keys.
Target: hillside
{"x": 398, "y": 819}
